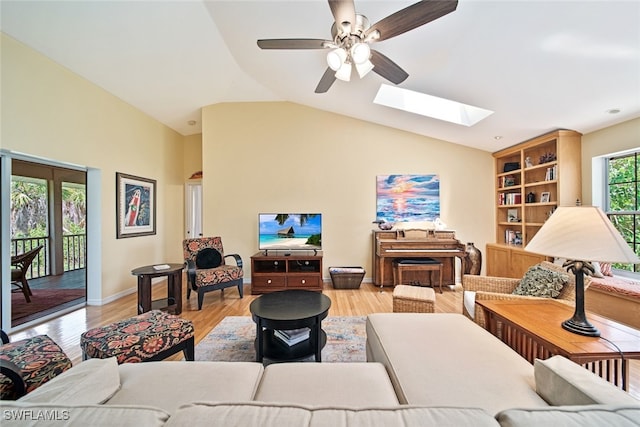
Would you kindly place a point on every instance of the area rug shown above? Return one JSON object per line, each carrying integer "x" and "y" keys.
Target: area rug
{"x": 233, "y": 338}
{"x": 42, "y": 300}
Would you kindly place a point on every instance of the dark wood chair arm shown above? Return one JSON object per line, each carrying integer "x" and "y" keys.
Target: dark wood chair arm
{"x": 191, "y": 271}
{"x": 4, "y": 336}
{"x": 14, "y": 374}
{"x": 237, "y": 258}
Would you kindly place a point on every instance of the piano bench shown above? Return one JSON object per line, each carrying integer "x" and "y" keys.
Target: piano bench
{"x": 402, "y": 265}
{"x": 413, "y": 299}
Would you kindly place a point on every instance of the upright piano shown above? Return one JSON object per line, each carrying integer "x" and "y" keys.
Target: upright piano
{"x": 437, "y": 244}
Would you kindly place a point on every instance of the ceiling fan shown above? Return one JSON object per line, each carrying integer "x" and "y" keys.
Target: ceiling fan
{"x": 352, "y": 35}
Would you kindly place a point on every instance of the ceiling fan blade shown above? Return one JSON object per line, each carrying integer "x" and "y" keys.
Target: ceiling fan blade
{"x": 387, "y": 68}
{"x": 343, "y": 11}
{"x": 326, "y": 81}
{"x": 411, "y": 17}
{"x": 293, "y": 44}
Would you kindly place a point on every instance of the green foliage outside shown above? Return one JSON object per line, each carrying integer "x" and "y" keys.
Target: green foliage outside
{"x": 30, "y": 217}
{"x": 624, "y": 201}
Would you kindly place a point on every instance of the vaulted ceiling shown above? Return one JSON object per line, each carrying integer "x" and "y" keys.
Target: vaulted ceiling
{"x": 539, "y": 65}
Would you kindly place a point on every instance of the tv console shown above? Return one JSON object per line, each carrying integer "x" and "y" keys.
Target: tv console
{"x": 288, "y": 270}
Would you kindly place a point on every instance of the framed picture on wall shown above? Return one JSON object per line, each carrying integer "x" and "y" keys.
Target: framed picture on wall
{"x": 545, "y": 197}
{"x": 135, "y": 206}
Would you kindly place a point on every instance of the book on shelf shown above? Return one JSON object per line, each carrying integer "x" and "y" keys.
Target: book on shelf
{"x": 551, "y": 173}
{"x": 510, "y": 198}
{"x": 293, "y": 336}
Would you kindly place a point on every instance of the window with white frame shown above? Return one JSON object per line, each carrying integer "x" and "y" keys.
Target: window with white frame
{"x": 623, "y": 200}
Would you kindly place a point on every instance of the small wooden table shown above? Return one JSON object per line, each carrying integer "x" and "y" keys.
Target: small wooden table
{"x": 173, "y": 302}
{"x": 286, "y": 310}
{"x": 533, "y": 329}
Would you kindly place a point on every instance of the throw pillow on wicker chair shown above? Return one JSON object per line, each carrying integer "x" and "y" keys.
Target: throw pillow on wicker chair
{"x": 541, "y": 282}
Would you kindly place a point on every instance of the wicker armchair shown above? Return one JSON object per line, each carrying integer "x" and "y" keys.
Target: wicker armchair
{"x": 501, "y": 288}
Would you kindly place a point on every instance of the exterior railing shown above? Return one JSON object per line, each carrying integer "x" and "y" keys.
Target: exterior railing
{"x": 74, "y": 248}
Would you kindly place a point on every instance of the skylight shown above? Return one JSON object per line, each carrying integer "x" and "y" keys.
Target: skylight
{"x": 430, "y": 106}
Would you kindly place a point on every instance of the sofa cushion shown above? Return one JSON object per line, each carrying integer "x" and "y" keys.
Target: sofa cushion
{"x": 445, "y": 359}
{"x": 541, "y": 282}
{"x": 282, "y": 415}
{"x": 169, "y": 384}
{"x": 572, "y": 416}
{"x": 352, "y": 385}
{"x": 50, "y": 415}
{"x": 90, "y": 382}
{"x": 560, "y": 381}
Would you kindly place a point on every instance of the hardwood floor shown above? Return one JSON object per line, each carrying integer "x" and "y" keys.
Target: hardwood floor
{"x": 66, "y": 329}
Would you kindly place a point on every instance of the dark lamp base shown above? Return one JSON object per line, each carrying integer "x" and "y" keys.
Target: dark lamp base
{"x": 581, "y": 327}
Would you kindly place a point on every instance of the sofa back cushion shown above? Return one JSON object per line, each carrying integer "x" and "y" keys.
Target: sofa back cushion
{"x": 18, "y": 413}
{"x": 282, "y": 415}
{"x": 93, "y": 381}
{"x": 560, "y": 381}
{"x": 566, "y": 416}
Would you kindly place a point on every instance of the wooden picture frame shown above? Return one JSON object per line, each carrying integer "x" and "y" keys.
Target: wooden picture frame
{"x": 545, "y": 197}
{"x": 135, "y": 206}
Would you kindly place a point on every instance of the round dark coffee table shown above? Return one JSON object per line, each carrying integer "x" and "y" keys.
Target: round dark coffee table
{"x": 289, "y": 310}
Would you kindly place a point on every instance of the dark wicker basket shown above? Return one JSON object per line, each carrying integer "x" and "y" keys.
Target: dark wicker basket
{"x": 346, "y": 277}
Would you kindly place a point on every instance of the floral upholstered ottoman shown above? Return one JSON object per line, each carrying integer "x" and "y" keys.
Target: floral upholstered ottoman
{"x": 150, "y": 336}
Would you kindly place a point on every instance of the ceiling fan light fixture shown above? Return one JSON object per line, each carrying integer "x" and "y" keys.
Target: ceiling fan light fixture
{"x": 344, "y": 72}
{"x": 360, "y": 53}
{"x": 336, "y": 58}
{"x": 364, "y": 68}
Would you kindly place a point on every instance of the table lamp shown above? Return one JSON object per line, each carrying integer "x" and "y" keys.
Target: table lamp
{"x": 581, "y": 234}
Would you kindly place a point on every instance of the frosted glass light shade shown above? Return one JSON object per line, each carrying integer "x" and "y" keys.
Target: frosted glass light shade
{"x": 344, "y": 73}
{"x": 581, "y": 233}
{"x": 364, "y": 68}
{"x": 336, "y": 58}
{"x": 360, "y": 53}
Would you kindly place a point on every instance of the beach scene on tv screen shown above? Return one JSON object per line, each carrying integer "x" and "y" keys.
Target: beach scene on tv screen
{"x": 290, "y": 231}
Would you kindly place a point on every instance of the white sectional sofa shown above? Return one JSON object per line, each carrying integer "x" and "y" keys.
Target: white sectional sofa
{"x": 423, "y": 370}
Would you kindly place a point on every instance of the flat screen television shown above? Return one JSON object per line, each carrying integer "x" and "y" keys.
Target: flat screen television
{"x": 290, "y": 231}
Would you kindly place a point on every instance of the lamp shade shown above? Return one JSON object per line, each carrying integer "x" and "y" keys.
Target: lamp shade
{"x": 581, "y": 233}
{"x": 364, "y": 68}
{"x": 336, "y": 58}
{"x": 344, "y": 72}
{"x": 360, "y": 52}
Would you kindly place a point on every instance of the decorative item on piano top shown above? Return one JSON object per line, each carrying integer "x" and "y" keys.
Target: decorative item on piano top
{"x": 581, "y": 234}
{"x": 473, "y": 260}
{"x": 383, "y": 225}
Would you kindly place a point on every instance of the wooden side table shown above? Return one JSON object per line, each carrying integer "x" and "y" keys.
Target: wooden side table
{"x": 533, "y": 329}
{"x": 173, "y": 302}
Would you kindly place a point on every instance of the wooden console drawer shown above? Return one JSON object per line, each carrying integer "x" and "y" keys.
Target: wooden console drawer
{"x": 269, "y": 281}
{"x": 299, "y": 281}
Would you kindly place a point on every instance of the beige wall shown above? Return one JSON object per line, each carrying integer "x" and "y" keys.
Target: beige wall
{"x": 192, "y": 155}
{"x": 620, "y": 137}
{"x": 49, "y": 112}
{"x": 269, "y": 157}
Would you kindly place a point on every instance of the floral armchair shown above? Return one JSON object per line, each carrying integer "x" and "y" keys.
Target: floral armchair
{"x": 206, "y": 267}
{"x": 27, "y": 364}
{"x": 477, "y": 288}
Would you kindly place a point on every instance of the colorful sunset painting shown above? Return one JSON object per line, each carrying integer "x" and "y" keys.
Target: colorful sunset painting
{"x": 402, "y": 198}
